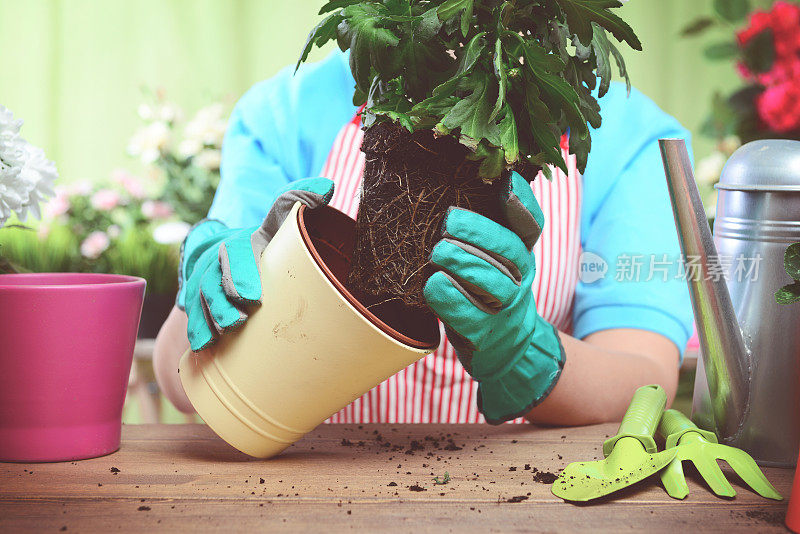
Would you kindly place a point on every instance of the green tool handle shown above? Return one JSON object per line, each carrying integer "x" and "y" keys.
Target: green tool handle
{"x": 674, "y": 425}
{"x": 641, "y": 419}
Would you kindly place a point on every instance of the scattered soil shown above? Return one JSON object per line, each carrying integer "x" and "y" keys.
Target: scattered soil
{"x": 416, "y": 487}
{"x": 518, "y": 498}
{"x": 115, "y": 470}
{"x": 771, "y": 517}
{"x": 144, "y": 508}
{"x": 410, "y": 180}
{"x": 544, "y": 477}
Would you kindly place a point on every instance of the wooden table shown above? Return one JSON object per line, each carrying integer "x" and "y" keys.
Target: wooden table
{"x": 370, "y": 477}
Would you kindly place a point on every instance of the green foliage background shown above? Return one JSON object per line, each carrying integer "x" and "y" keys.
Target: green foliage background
{"x": 74, "y": 69}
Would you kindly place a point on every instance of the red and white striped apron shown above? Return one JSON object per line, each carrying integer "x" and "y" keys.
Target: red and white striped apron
{"x": 437, "y": 389}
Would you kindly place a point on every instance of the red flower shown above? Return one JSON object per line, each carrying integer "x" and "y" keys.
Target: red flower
{"x": 779, "y": 106}
{"x": 783, "y": 20}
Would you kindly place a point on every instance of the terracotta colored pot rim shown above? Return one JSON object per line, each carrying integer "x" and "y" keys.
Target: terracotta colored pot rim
{"x": 374, "y": 319}
{"x": 67, "y": 281}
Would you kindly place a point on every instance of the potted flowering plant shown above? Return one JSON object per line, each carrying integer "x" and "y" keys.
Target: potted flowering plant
{"x": 457, "y": 94}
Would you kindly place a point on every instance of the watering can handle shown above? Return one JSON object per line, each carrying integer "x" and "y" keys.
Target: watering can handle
{"x": 641, "y": 419}
{"x": 674, "y": 425}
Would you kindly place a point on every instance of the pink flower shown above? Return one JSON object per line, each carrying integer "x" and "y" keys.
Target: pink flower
{"x": 130, "y": 183}
{"x": 58, "y": 205}
{"x": 779, "y": 106}
{"x": 95, "y": 244}
{"x": 105, "y": 200}
{"x": 155, "y": 209}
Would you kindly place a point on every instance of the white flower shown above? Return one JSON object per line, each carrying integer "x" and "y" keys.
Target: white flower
{"x": 165, "y": 111}
{"x": 155, "y": 209}
{"x": 95, "y": 244}
{"x": 208, "y": 159}
{"x": 189, "y": 147}
{"x": 113, "y": 231}
{"x": 730, "y": 144}
{"x": 208, "y": 126}
{"x": 26, "y": 175}
{"x": 149, "y": 142}
{"x": 171, "y": 233}
{"x": 709, "y": 168}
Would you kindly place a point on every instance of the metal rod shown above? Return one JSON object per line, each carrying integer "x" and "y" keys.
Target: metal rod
{"x": 725, "y": 357}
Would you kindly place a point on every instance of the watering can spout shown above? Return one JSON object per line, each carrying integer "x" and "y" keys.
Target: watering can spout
{"x": 725, "y": 356}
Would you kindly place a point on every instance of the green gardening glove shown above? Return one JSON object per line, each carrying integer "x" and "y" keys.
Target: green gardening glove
{"x": 484, "y": 297}
{"x": 219, "y": 272}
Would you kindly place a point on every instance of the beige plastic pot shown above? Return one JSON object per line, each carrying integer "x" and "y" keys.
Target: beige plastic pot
{"x": 309, "y": 350}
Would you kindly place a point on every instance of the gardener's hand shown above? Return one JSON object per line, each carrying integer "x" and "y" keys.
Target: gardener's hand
{"x": 484, "y": 297}
{"x": 219, "y": 272}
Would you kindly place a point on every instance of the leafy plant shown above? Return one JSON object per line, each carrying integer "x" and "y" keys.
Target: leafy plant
{"x": 508, "y": 78}
{"x": 185, "y": 154}
{"x": 133, "y": 253}
{"x": 136, "y": 254}
{"x": 28, "y": 251}
{"x": 443, "y": 480}
{"x": 790, "y": 293}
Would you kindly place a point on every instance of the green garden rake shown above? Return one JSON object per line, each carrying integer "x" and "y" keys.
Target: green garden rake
{"x": 701, "y": 448}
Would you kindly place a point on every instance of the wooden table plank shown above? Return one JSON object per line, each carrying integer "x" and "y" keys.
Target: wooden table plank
{"x": 357, "y": 477}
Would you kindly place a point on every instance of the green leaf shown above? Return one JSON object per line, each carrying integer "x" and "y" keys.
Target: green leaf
{"x": 791, "y": 260}
{"x": 429, "y": 25}
{"x": 536, "y": 57}
{"x": 471, "y": 114}
{"x": 558, "y": 93}
{"x": 451, "y": 8}
{"x": 603, "y": 49}
{"x": 542, "y": 127}
{"x": 581, "y": 13}
{"x": 492, "y": 162}
{"x": 697, "y": 26}
{"x": 788, "y": 294}
{"x": 724, "y": 50}
{"x": 336, "y": 4}
{"x": 502, "y": 78}
{"x": 509, "y": 139}
{"x": 369, "y": 43}
{"x": 759, "y": 52}
{"x": 732, "y": 10}
{"x": 321, "y": 34}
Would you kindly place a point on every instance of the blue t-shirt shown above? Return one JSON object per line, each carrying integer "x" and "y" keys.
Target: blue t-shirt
{"x": 283, "y": 128}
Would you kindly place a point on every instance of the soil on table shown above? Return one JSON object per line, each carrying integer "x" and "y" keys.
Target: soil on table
{"x": 410, "y": 180}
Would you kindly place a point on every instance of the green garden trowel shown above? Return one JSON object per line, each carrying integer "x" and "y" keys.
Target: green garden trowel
{"x": 630, "y": 455}
{"x": 701, "y": 448}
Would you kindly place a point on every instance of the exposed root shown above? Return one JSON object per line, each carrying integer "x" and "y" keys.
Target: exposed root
{"x": 410, "y": 180}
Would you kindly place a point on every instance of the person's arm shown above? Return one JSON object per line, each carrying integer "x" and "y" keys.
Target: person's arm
{"x": 602, "y": 372}
{"x": 628, "y": 332}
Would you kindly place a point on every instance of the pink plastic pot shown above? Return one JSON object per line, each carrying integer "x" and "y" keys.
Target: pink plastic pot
{"x": 66, "y": 347}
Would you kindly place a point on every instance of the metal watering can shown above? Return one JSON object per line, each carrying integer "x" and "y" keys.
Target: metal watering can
{"x": 747, "y": 387}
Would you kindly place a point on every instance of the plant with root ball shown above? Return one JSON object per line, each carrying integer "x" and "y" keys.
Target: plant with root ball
{"x": 458, "y": 93}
